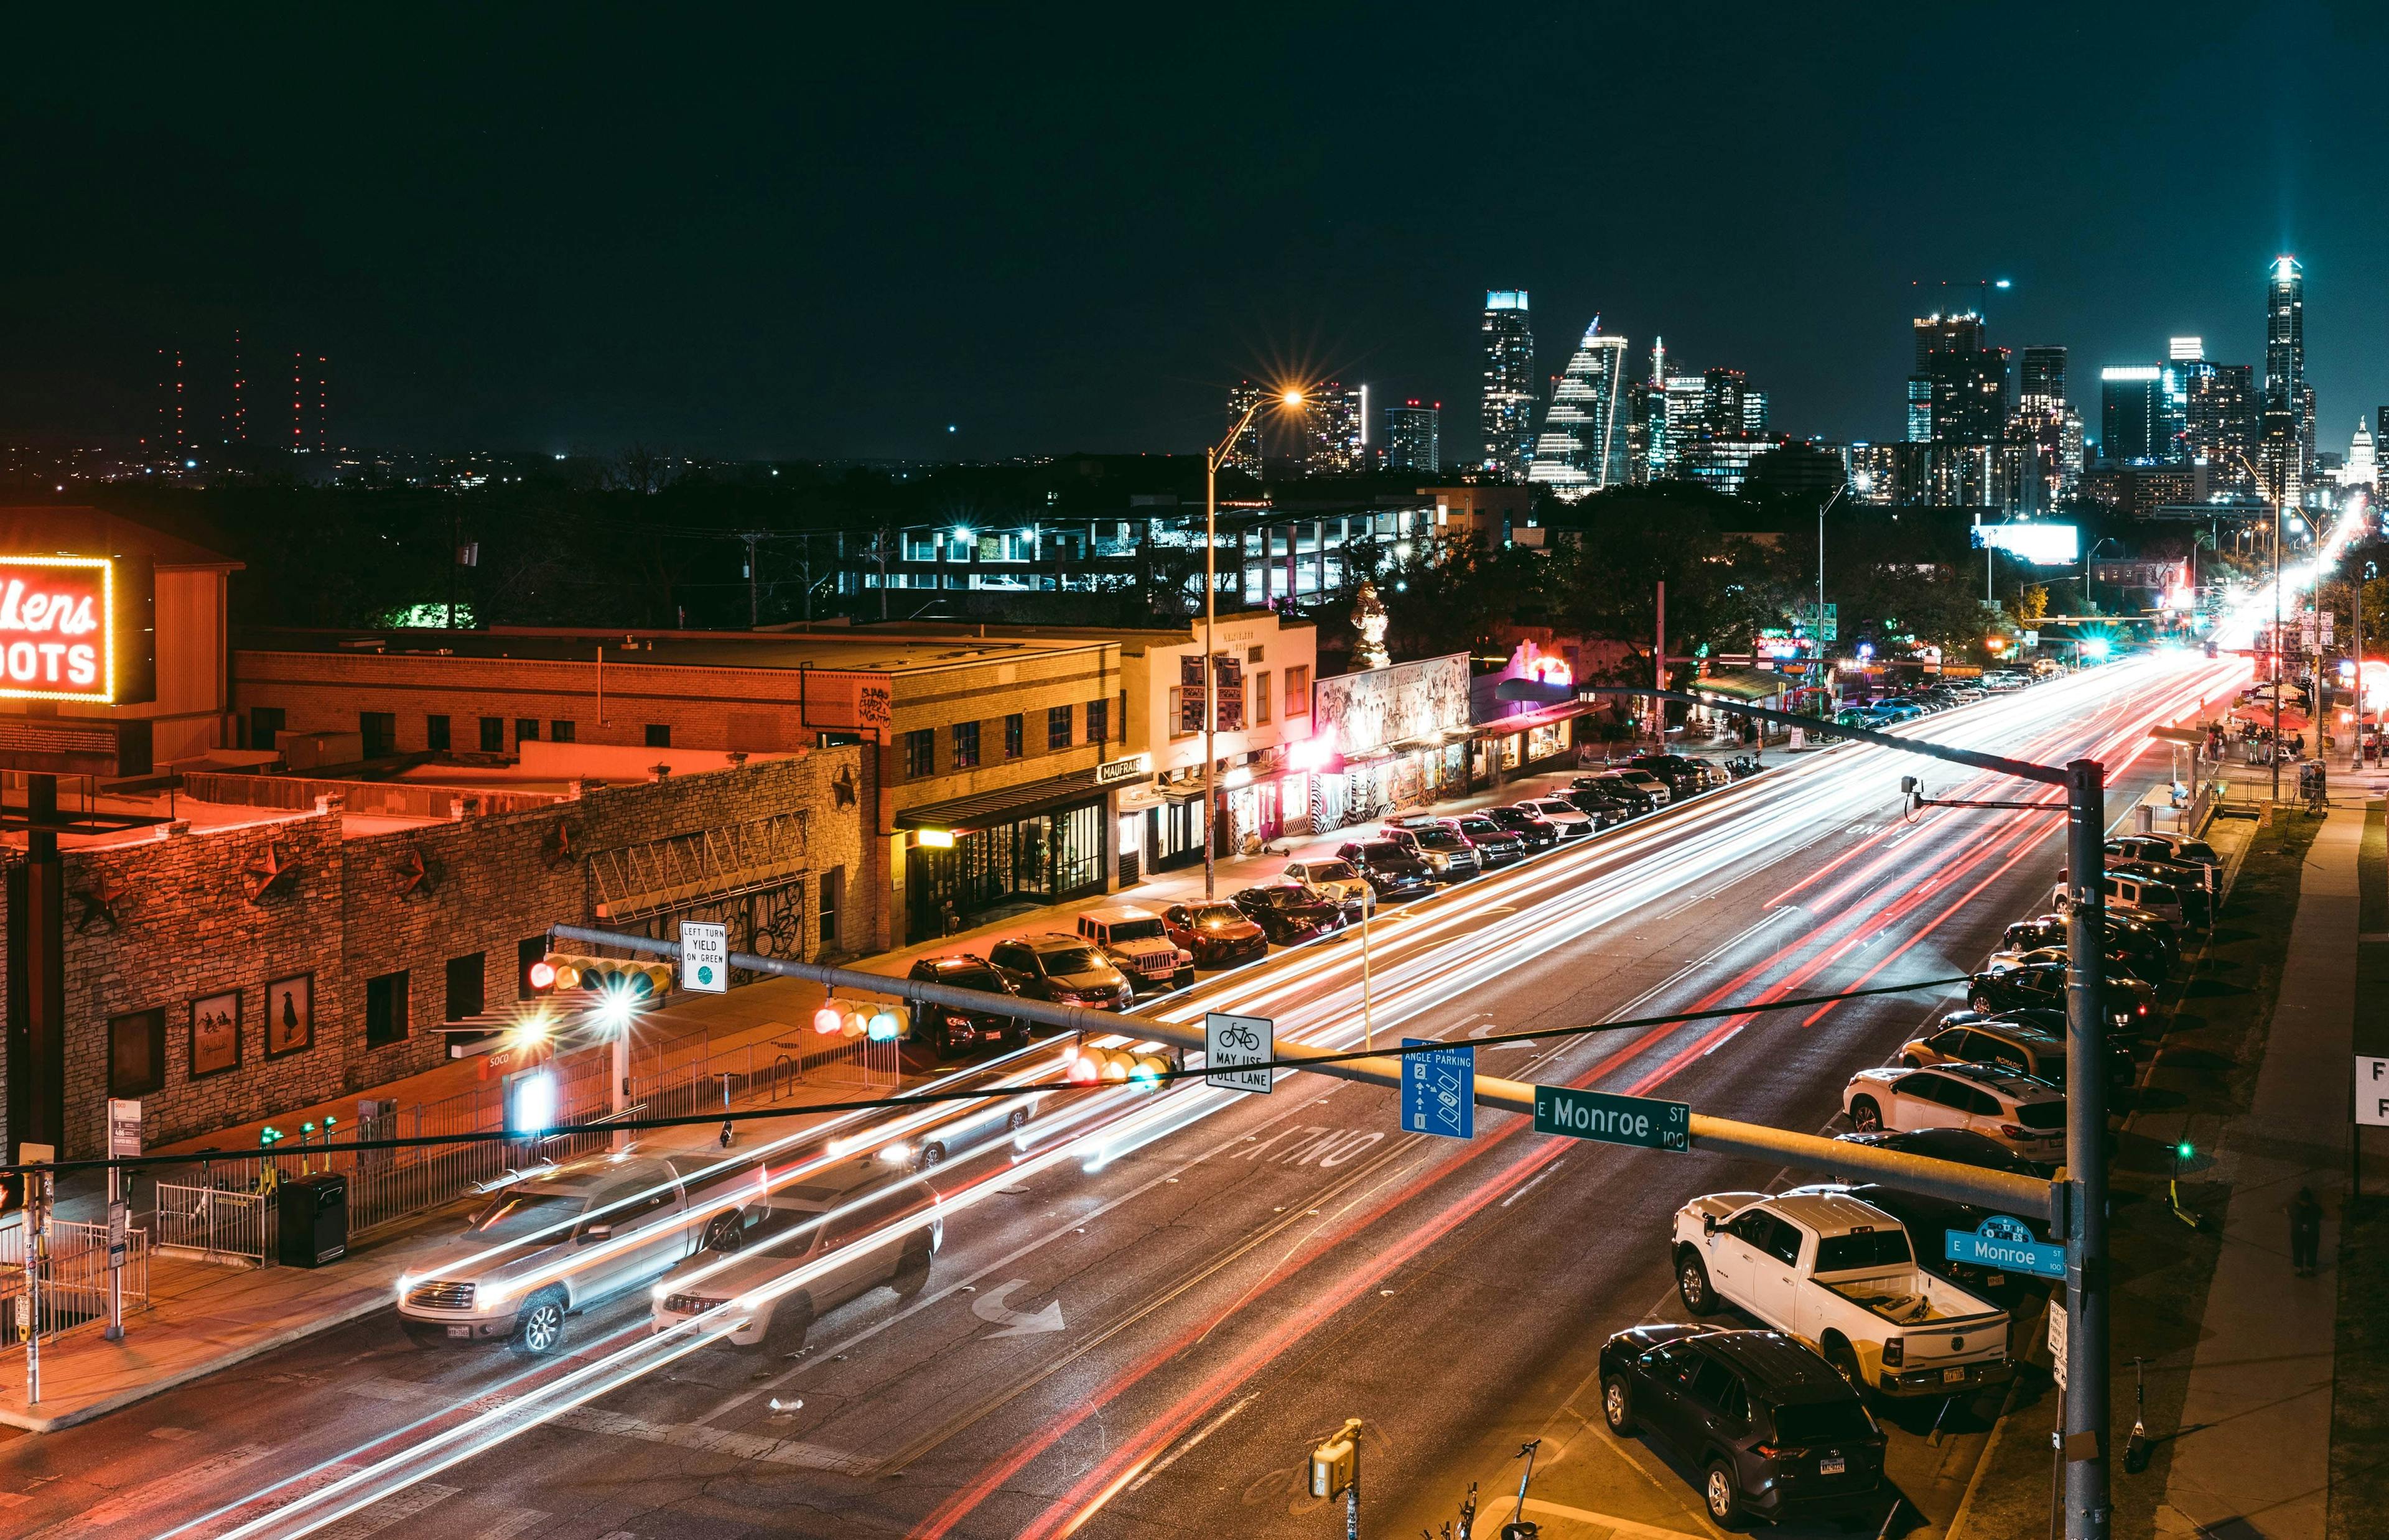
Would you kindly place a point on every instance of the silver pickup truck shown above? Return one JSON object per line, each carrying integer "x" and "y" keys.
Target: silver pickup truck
{"x": 556, "y": 1238}
{"x": 1838, "y": 1273}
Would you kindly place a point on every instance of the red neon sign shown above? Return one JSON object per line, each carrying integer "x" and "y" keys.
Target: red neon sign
{"x": 58, "y": 629}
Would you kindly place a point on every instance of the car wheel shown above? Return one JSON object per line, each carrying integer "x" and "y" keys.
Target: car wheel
{"x": 1910, "y": 1061}
{"x": 1846, "y": 1359}
{"x": 1981, "y": 1005}
{"x": 792, "y": 1321}
{"x": 1865, "y": 1117}
{"x": 1016, "y": 1034}
{"x": 1722, "y": 1494}
{"x": 724, "y": 1232}
{"x": 913, "y": 1267}
{"x": 1019, "y": 1120}
{"x": 1616, "y": 1406}
{"x": 1693, "y": 1283}
{"x": 539, "y": 1330}
{"x": 930, "y": 1158}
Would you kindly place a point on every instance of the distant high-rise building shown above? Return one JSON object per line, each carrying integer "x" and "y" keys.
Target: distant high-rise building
{"x": 2285, "y": 346}
{"x": 1412, "y": 433}
{"x": 1582, "y": 447}
{"x": 1509, "y": 395}
{"x": 1721, "y": 397}
{"x": 2305, "y": 415}
{"x": 1920, "y": 409}
{"x": 2040, "y": 376}
{"x": 1245, "y": 453}
{"x": 2185, "y": 349}
{"x": 1335, "y": 429}
{"x": 1753, "y": 411}
{"x": 1963, "y": 380}
{"x": 2222, "y": 418}
{"x": 1645, "y": 416}
{"x": 1682, "y": 404}
{"x": 2131, "y": 413}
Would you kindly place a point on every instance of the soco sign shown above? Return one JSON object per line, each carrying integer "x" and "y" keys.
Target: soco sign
{"x": 58, "y": 629}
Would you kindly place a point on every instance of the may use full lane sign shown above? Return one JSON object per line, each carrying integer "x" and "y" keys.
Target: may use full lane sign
{"x": 1637, "y": 1120}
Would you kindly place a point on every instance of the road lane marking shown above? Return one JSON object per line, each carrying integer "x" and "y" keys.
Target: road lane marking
{"x": 991, "y": 1308}
{"x": 715, "y": 1441}
{"x": 396, "y": 1508}
{"x": 150, "y": 1495}
{"x": 511, "y": 1523}
{"x": 227, "y": 1519}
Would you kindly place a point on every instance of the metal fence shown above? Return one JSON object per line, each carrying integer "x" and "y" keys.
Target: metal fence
{"x": 73, "y": 1277}
{"x": 214, "y": 1224}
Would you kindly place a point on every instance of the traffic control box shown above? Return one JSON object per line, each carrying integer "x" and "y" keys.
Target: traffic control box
{"x": 311, "y": 1214}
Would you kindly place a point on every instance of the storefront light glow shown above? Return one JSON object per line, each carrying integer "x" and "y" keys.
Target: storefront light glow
{"x": 935, "y": 839}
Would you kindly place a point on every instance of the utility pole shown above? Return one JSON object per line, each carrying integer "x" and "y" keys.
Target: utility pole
{"x": 2084, "y": 1448}
{"x": 1335, "y": 1471}
{"x": 750, "y": 538}
{"x": 1659, "y": 665}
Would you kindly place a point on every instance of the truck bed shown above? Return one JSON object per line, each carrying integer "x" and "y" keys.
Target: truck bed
{"x": 1911, "y": 1298}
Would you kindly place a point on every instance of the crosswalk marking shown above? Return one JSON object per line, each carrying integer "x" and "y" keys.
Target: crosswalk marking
{"x": 399, "y": 1506}
{"x": 719, "y": 1441}
{"x": 148, "y": 1494}
{"x": 511, "y": 1523}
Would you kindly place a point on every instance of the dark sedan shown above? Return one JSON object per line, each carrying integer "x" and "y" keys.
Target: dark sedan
{"x": 949, "y": 1028}
{"x": 1388, "y": 868}
{"x": 1538, "y": 831}
{"x": 1771, "y": 1429}
{"x": 1287, "y": 912}
{"x": 2154, "y": 954}
{"x": 1220, "y": 934}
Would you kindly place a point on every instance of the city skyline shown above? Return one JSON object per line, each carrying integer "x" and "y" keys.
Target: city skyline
{"x": 555, "y": 296}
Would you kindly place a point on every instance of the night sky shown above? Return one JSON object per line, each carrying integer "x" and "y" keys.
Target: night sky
{"x": 782, "y": 234}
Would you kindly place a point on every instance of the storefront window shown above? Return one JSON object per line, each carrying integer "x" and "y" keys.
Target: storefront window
{"x": 1043, "y": 857}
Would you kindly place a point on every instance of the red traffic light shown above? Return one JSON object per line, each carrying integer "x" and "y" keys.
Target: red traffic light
{"x": 543, "y": 975}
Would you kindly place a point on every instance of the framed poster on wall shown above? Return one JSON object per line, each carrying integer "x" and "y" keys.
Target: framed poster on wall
{"x": 215, "y": 1034}
{"x": 290, "y": 1016}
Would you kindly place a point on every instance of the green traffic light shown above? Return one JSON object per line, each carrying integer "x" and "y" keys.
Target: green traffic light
{"x": 2184, "y": 1150}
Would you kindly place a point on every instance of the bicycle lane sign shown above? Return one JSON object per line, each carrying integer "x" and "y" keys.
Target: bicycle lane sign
{"x": 1439, "y": 1089}
{"x": 1233, "y": 1041}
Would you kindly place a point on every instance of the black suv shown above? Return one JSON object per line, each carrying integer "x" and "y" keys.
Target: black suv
{"x": 1683, "y": 776}
{"x": 1067, "y": 969}
{"x": 1589, "y": 791}
{"x": 2034, "y": 1047}
{"x": 1393, "y": 871}
{"x": 1497, "y": 844}
{"x": 1773, "y": 1428}
{"x": 949, "y": 1028}
{"x": 1538, "y": 831}
{"x": 2154, "y": 953}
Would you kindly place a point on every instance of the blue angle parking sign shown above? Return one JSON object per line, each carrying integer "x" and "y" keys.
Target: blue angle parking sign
{"x": 1439, "y": 1089}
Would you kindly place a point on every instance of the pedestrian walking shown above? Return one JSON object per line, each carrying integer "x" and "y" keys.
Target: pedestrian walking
{"x": 2305, "y": 1232}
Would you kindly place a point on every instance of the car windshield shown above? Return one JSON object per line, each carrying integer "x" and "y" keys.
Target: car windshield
{"x": 515, "y": 1214}
{"x": 972, "y": 978}
{"x": 1441, "y": 839}
{"x": 1878, "y": 1247}
{"x": 1073, "y": 959}
{"x": 1136, "y": 929}
{"x": 1382, "y": 850}
{"x": 1331, "y": 872}
{"x": 1216, "y": 915}
{"x": 1821, "y": 1421}
{"x": 2041, "y": 1115}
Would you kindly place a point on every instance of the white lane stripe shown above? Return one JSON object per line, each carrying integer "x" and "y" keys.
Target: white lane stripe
{"x": 397, "y": 1507}
{"x": 150, "y": 1495}
{"x": 714, "y": 1440}
{"x": 273, "y": 1500}
{"x": 512, "y": 1524}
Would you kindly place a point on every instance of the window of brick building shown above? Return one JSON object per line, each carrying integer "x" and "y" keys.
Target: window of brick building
{"x": 1099, "y": 721}
{"x": 1057, "y": 727}
{"x": 965, "y": 745}
{"x": 465, "y": 997}
{"x": 1016, "y": 733}
{"x": 833, "y": 897}
{"x": 266, "y": 724}
{"x": 386, "y": 1009}
{"x": 660, "y": 734}
{"x": 526, "y": 730}
{"x": 379, "y": 731}
{"x": 136, "y": 1054}
{"x": 921, "y": 753}
{"x": 1298, "y": 690}
{"x": 493, "y": 734}
{"x": 560, "y": 731}
{"x": 435, "y": 733}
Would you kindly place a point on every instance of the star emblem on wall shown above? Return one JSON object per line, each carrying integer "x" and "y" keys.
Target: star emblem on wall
{"x": 100, "y": 902}
{"x": 558, "y": 846}
{"x": 841, "y": 788}
{"x": 273, "y": 872}
{"x": 417, "y": 876}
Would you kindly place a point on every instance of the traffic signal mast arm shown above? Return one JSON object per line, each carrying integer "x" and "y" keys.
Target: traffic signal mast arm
{"x": 1965, "y": 1184}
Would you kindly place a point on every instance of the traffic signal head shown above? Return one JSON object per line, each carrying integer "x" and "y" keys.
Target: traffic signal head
{"x": 1118, "y": 1066}
{"x": 268, "y": 1137}
{"x": 2183, "y": 1150}
{"x": 887, "y": 1023}
{"x": 543, "y": 975}
{"x": 621, "y": 985}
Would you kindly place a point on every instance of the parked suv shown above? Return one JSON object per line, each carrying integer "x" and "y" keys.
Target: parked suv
{"x": 1334, "y": 876}
{"x": 1496, "y": 845}
{"x": 1064, "y": 970}
{"x": 1645, "y": 795}
{"x": 1773, "y": 1428}
{"x": 1388, "y": 866}
{"x": 1446, "y": 853}
{"x": 2026, "y": 1114}
{"x": 1138, "y": 943}
{"x": 548, "y": 1242}
{"x": 951, "y": 1028}
{"x": 2033, "y": 1048}
{"x": 1288, "y": 912}
{"x": 1538, "y": 831}
{"x": 1682, "y": 776}
{"x": 1216, "y": 934}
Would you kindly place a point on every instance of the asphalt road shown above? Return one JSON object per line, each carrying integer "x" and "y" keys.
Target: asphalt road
{"x": 1139, "y": 1326}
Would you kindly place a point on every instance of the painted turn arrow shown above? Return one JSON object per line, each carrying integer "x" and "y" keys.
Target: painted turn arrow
{"x": 990, "y": 1308}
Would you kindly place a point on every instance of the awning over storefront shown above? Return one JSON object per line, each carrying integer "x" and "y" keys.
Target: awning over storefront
{"x": 1744, "y": 684}
{"x": 1527, "y": 722}
{"x": 1004, "y": 804}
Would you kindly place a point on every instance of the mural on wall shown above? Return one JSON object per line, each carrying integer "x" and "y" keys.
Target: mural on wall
{"x": 1380, "y": 707}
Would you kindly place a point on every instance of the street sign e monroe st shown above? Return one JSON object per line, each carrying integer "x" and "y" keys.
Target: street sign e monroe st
{"x": 1637, "y": 1120}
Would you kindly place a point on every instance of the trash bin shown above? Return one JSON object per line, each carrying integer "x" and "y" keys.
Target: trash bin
{"x": 312, "y": 1216}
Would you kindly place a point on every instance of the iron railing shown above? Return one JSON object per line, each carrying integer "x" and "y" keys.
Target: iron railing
{"x": 73, "y": 1277}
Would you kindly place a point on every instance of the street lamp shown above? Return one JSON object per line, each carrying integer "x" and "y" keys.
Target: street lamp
{"x": 1212, "y": 459}
{"x": 2280, "y": 497}
{"x": 2085, "y": 569}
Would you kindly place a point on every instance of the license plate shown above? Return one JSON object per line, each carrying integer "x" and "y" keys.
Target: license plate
{"x": 1953, "y": 1376}
{"x": 460, "y": 1331}
{"x": 1833, "y": 1465}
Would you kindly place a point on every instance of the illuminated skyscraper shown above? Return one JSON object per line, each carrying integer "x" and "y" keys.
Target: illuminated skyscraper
{"x": 1510, "y": 394}
{"x": 2131, "y": 413}
{"x": 1582, "y": 447}
{"x": 1245, "y": 455}
{"x": 1962, "y": 382}
{"x": 2285, "y": 347}
{"x": 1754, "y": 413}
{"x": 1335, "y": 429}
{"x": 1412, "y": 433}
{"x": 2041, "y": 378}
{"x": 1683, "y": 401}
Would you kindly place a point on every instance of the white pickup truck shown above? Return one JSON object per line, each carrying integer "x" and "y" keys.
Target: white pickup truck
{"x": 1838, "y": 1273}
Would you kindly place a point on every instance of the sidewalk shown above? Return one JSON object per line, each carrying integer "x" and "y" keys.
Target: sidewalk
{"x": 2253, "y": 1454}
{"x": 203, "y": 1319}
